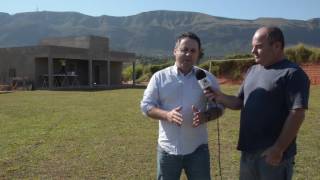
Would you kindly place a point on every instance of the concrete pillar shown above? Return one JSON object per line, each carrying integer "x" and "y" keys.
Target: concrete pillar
{"x": 133, "y": 73}
{"x": 108, "y": 73}
{"x": 50, "y": 72}
{"x": 90, "y": 73}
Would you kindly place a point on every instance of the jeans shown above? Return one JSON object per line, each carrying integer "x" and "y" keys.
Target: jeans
{"x": 196, "y": 165}
{"x": 254, "y": 167}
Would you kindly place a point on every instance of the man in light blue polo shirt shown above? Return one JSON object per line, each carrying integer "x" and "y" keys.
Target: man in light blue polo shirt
{"x": 174, "y": 97}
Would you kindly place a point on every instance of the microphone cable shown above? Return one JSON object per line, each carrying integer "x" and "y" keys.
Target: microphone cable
{"x": 219, "y": 143}
{"x": 218, "y": 139}
{"x": 205, "y": 84}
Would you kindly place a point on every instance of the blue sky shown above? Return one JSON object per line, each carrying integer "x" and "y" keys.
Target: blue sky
{"x": 239, "y": 9}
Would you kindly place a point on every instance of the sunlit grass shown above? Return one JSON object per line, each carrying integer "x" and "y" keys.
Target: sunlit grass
{"x": 91, "y": 135}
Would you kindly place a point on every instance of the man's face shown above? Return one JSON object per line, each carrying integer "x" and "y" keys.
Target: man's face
{"x": 264, "y": 52}
{"x": 186, "y": 54}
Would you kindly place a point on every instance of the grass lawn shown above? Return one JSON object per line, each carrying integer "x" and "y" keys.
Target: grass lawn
{"x": 103, "y": 135}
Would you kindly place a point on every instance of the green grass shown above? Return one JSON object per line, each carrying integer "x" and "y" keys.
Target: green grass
{"x": 103, "y": 135}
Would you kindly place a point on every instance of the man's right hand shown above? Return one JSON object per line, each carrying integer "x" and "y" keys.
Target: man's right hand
{"x": 174, "y": 116}
{"x": 228, "y": 101}
{"x": 213, "y": 95}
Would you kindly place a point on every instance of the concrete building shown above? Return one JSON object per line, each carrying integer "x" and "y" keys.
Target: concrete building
{"x": 71, "y": 62}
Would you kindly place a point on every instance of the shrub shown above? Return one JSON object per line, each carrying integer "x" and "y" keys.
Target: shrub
{"x": 215, "y": 70}
{"x": 127, "y": 72}
{"x": 143, "y": 78}
{"x": 239, "y": 56}
{"x": 155, "y": 68}
{"x": 291, "y": 54}
{"x": 139, "y": 71}
{"x": 315, "y": 57}
{"x": 204, "y": 65}
{"x": 232, "y": 69}
{"x": 302, "y": 54}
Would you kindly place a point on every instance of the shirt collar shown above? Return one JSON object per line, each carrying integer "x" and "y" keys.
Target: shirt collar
{"x": 177, "y": 72}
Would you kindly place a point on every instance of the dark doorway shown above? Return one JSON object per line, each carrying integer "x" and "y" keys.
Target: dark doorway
{"x": 97, "y": 74}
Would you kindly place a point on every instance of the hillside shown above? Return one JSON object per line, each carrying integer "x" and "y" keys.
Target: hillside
{"x": 151, "y": 33}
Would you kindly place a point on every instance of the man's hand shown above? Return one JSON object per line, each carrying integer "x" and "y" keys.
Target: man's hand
{"x": 213, "y": 95}
{"x": 198, "y": 117}
{"x": 174, "y": 116}
{"x": 228, "y": 101}
{"x": 273, "y": 155}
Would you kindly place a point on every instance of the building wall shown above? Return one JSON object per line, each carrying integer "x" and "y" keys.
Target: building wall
{"x": 99, "y": 68}
{"x": 115, "y": 72}
{"x": 20, "y": 63}
{"x": 68, "y": 53}
{"x": 98, "y": 47}
{"x": 41, "y": 68}
{"x": 77, "y": 42}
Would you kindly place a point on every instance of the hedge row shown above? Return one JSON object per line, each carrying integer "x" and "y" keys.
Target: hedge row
{"x": 302, "y": 54}
{"x": 143, "y": 72}
{"x": 232, "y": 69}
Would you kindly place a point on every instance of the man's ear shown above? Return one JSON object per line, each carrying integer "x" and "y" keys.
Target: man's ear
{"x": 174, "y": 51}
{"x": 277, "y": 45}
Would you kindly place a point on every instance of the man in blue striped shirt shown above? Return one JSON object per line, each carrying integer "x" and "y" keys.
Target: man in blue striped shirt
{"x": 174, "y": 97}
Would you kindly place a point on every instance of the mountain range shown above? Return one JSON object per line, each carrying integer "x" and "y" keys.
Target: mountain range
{"x": 152, "y": 33}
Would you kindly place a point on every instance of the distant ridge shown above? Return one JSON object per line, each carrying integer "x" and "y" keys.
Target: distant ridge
{"x": 152, "y": 33}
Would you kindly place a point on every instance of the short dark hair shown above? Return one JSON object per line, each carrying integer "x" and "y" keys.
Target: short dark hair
{"x": 275, "y": 35}
{"x": 193, "y": 36}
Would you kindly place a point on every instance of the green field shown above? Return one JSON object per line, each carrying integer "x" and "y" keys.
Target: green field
{"x": 103, "y": 135}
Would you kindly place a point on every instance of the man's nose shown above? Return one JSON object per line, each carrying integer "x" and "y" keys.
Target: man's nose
{"x": 253, "y": 50}
{"x": 188, "y": 53}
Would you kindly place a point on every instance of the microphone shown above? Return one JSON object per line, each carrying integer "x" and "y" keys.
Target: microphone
{"x": 203, "y": 81}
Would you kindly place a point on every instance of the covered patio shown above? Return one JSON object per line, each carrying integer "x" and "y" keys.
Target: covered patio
{"x": 68, "y": 63}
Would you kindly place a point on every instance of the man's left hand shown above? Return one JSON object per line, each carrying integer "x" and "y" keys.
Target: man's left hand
{"x": 273, "y": 155}
{"x": 198, "y": 117}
